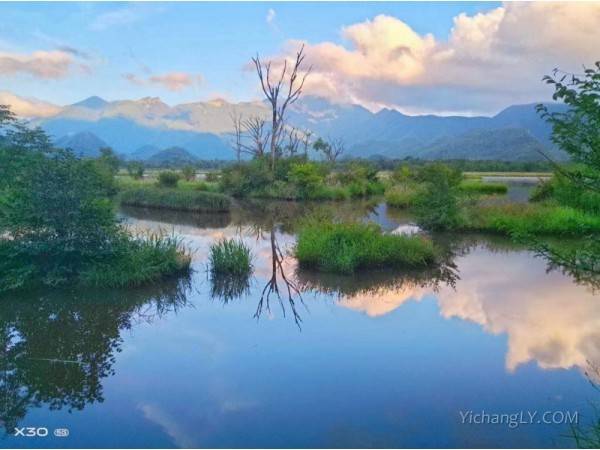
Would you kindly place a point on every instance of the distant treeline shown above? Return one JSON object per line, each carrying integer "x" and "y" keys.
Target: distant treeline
{"x": 466, "y": 165}
{"x": 463, "y": 165}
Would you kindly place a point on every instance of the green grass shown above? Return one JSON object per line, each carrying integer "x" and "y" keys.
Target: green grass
{"x": 478, "y": 187}
{"x": 402, "y": 195}
{"x": 535, "y": 219}
{"x": 139, "y": 260}
{"x": 346, "y": 247}
{"x": 176, "y": 199}
{"x": 196, "y": 185}
{"x": 230, "y": 257}
{"x": 127, "y": 261}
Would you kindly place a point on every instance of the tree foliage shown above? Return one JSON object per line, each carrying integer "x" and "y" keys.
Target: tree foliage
{"x": 577, "y": 130}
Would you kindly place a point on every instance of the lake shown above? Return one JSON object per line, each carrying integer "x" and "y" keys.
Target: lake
{"x": 378, "y": 359}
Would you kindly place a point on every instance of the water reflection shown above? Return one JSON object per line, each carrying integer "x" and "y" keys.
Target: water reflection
{"x": 57, "y": 348}
{"x": 547, "y": 316}
{"x": 489, "y": 328}
{"x": 279, "y": 275}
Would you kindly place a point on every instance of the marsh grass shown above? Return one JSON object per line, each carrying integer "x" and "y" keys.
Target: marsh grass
{"x": 176, "y": 199}
{"x": 124, "y": 262}
{"x": 139, "y": 259}
{"x": 230, "y": 257}
{"x": 347, "y": 247}
{"x": 479, "y": 187}
{"x": 534, "y": 219}
{"x": 230, "y": 268}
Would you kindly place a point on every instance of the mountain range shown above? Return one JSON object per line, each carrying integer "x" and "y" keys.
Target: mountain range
{"x": 138, "y": 129}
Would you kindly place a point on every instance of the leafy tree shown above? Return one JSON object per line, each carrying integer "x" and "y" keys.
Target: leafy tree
{"x": 189, "y": 173}
{"x": 577, "y": 131}
{"x": 307, "y": 176}
{"x": 57, "y": 210}
{"x": 109, "y": 158}
{"x": 136, "y": 170}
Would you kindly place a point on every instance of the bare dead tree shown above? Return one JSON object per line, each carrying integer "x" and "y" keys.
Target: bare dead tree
{"x": 256, "y": 129}
{"x": 338, "y": 147}
{"x": 289, "y": 84}
{"x": 306, "y": 141}
{"x": 294, "y": 137}
{"x": 237, "y": 120}
{"x": 331, "y": 149}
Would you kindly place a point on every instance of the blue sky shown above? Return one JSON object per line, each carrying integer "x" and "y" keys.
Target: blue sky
{"x": 464, "y": 57}
{"x": 212, "y": 39}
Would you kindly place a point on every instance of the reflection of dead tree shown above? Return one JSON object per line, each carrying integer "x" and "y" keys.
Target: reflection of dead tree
{"x": 272, "y": 285}
{"x": 272, "y": 88}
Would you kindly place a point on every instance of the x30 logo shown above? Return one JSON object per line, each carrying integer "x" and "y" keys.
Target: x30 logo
{"x": 31, "y": 432}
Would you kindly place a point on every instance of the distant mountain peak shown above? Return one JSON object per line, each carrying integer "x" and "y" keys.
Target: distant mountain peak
{"x": 218, "y": 101}
{"x": 93, "y": 102}
{"x": 150, "y": 100}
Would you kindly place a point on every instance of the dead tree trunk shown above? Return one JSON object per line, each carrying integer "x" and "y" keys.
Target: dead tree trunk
{"x": 272, "y": 90}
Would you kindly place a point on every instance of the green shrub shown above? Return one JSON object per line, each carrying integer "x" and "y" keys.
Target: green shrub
{"x": 248, "y": 178}
{"x": 176, "y": 199}
{"x": 230, "y": 257}
{"x": 168, "y": 179}
{"x": 437, "y": 205}
{"x": 346, "y": 247}
{"x": 307, "y": 176}
{"x": 479, "y": 187}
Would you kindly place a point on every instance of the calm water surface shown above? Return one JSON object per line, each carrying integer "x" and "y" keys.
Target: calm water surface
{"x": 385, "y": 359}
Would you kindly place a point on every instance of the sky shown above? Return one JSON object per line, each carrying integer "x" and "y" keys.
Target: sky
{"x": 444, "y": 58}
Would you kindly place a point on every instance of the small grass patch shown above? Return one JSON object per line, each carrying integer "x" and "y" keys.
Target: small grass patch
{"x": 478, "y": 187}
{"x": 532, "y": 219}
{"x": 346, "y": 247}
{"x": 230, "y": 257}
{"x": 402, "y": 195}
{"x": 176, "y": 199}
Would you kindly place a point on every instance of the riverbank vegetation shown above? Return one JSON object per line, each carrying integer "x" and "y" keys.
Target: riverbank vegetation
{"x": 57, "y": 223}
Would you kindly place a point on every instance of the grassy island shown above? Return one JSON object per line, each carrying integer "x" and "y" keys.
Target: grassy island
{"x": 175, "y": 199}
{"x": 347, "y": 247}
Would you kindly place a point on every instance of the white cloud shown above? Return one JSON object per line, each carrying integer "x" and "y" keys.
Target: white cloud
{"x": 489, "y": 60}
{"x": 54, "y": 64}
{"x": 122, "y": 16}
{"x": 270, "y": 16}
{"x": 172, "y": 81}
